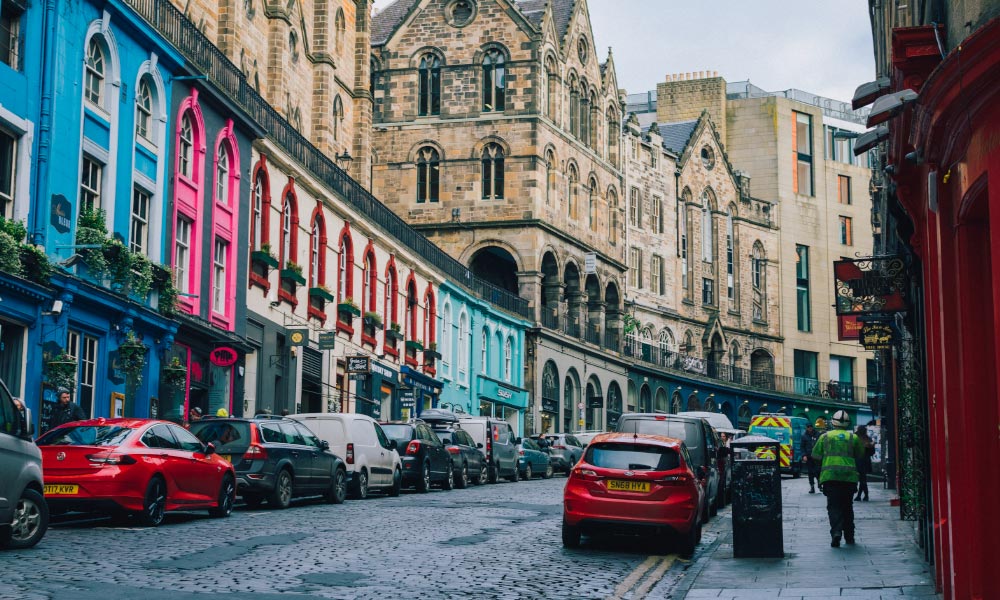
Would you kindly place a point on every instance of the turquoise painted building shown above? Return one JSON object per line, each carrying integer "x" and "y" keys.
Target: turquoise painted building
{"x": 482, "y": 358}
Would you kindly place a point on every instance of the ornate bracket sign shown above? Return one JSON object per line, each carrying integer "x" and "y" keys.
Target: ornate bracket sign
{"x": 870, "y": 285}
{"x": 876, "y": 336}
{"x": 224, "y": 356}
{"x": 359, "y": 364}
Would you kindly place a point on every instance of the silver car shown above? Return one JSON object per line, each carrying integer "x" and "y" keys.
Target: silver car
{"x": 24, "y": 515}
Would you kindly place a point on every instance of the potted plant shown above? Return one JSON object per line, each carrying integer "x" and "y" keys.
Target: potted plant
{"x": 60, "y": 370}
{"x": 132, "y": 357}
{"x": 163, "y": 283}
{"x": 373, "y": 320}
{"x": 293, "y": 272}
{"x": 91, "y": 234}
{"x": 393, "y": 334}
{"x": 174, "y": 373}
{"x": 415, "y": 345}
{"x": 264, "y": 256}
{"x": 322, "y": 292}
{"x": 347, "y": 306}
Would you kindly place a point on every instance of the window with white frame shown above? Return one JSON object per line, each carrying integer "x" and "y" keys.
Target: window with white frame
{"x": 11, "y": 14}
{"x": 182, "y": 254}
{"x": 185, "y": 153}
{"x": 8, "y": 172}
{"x": 707, "y": 237}
{"x": 656, "y": 275}
{"x": 144, "y": 110}
{"x": 635, "y": 267}
{"x": 730, "y": 267}
{"x": 90, "y": 184}
{"x": 222, "y": 175}
{"x": 508, "y": 349}
{"x": 139, "y": 230}
{"x": 83, "y": 348}
{"x": 314, "y": 250}
{"x": 257, "y": 213}
{"x": 484, "y": 352}
{"x": 94, "y": 78}
{"x": 634, "y": 211}
{"x": 446, "y": 333}
{"x": 464, "y": 345}
{"x": 219, "y": 276}
{"x": 657, "y": 215}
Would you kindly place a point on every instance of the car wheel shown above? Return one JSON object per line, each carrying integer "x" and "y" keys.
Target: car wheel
{"x": 449, "y": 481}
{"x": 31, "y": 520}
{"x": 690, "y": 541}
{"x": 483, "y": 474}
{"x": 549, "y": 471}
{"x": 424, "y": 483}
{"x": 338, "y": 487}
{"x": 281, "y": 495}
{"x": 360, "y": 490}
{"x": 463, "y": 477}
{"x": 570, "y": 536}
{"x": 527, "y": 472}
{"x": 494, "y": 474}
{"x": 516, "y": 476}
{"x": 154, "y": 503}
{"x": 253, "y": 500}
{"x": 397, "y": 483}
{"x": 227, "y": 497}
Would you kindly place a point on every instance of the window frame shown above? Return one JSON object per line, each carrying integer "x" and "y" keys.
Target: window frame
{"x": 429, "y": 85}
{"x": 139, "y": 223}
{"x": 428, "y": 175}
{"x": 494, "y": 68}
{"x": 492, "y": 172}
{"x": 803, "y": 158}
{"x": 94, "y": 187}
{"x": 803, "y": 306}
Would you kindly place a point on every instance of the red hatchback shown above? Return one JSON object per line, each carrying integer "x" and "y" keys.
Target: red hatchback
{"x": 634, "y": 484}
{"x": 140, "y": 466}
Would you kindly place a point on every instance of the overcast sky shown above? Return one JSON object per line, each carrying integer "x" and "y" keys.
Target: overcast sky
{"x": 819, "y": 46}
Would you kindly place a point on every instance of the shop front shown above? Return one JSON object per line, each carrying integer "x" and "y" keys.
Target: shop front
{"x": 502, "y": 401}
{"x": 419, "y": 392}
{"x": 375, "y": 389}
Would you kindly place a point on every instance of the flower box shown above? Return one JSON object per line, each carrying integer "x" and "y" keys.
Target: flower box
{"x": 293, "y": 276}
{"x": 348, "y": 308}
{"x": 261, "y": 257}
{"x": 414, "y": 345}
{"x": 432, "y": 355}
{"x": 319, "y": 292}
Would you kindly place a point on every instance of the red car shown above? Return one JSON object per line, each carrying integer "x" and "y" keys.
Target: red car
{"x": 139, "y": 466}
{"x": 634, "y": 484}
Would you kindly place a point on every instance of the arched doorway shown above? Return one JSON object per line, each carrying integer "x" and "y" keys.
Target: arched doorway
{"x": 595, "y": 405}
{"x": 744, "y": 416}
{"x": 595, "y": 310}
{"x": 710, "y": 405}
{"x": 675, "y": 403}
{"x": 614, "y": 404}
{"x": 693, "y": 402}
{"x": 571, "y": 395}
{"x": 497, "y": 266}
{"x": 550, "y": 397}
{"x": 715, "y": 352}
{"x": 633, "y": 397}
{"x": 661, "y": 401}
{"x": 551, "y": 291}
{"x": 612, "y": 317}
{"x": 727, "y": 409}
{"x": 762, "y": 369}
{"x": 645, "y": 399}
{"x": 573, "y": 294}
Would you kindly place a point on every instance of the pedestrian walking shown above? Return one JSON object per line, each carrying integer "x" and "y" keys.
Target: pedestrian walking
{"x": 838, "y": 452}
{"x": 865, "y": 464}
{"x": 66, "y": 411}
{"x": 808, "y": 443}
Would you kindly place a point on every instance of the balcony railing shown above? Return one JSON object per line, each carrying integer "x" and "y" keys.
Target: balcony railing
{"x": 571, "y": 328}
{"x": 762, "y": 380}
{"x": 227, "y": 78}
{"x": 593, "y": 334}
{"x": 550, "y": 318}
{"x": 612, "y": 340}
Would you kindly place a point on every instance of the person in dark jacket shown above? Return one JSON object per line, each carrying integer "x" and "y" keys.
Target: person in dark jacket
{"x": 865, "y": 463}
{"x": 66, "y": 411}
{"x": 808, "y": 441}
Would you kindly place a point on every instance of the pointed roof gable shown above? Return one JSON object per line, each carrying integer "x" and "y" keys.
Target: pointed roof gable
{"x": 389, "y": 18}
{"x": 676, "y": 136}
{"x": 562, "y": 13}
{"x": 534, "y": 10}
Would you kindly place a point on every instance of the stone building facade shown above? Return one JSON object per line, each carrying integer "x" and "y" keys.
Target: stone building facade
{"x": 497, "y": 134}
{"x": 309, "y": 59}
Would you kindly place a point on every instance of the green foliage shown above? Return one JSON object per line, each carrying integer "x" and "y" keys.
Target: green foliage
{"x": 92, "y": 231}
{"x": 14, "y": 229}
{"x": 294, "y": 266}
{"x": 174, "y": 373}
{"x": 60, "y": 370}
{"x": 36, "y": 264}
{"x": 630, "y": 323}
{"x": 132, "y": 357}
{"x": 10, "y": 255}
{"x": 163, "y": 281}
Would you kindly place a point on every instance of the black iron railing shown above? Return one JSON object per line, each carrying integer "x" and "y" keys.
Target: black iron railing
{"x": 550, "y": 318}
{"x": 593, "y": 334}
{"x": 227, "y": 78}
{"x": 612, "y": 340}
{"x": 571, "y": 327}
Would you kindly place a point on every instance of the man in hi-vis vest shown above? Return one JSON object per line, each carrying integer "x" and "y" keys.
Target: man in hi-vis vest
{"x": 838, "y": 452}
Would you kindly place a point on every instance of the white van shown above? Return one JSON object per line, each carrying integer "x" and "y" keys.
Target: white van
{"x": 371, "y": 457}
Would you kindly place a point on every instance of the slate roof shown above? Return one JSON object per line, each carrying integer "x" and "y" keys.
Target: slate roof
{"x": 534, "y": 10}
{"x": 388, "y": 19}
{"x": 675, "y": 135}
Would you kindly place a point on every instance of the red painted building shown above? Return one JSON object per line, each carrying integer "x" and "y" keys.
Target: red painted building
{"x": 940, "y": 203}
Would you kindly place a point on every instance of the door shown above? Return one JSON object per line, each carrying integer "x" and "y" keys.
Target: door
{"x": 386, "y": 461}
{"x": 176, "y": 465}
{"x": 436, "y": 452}
{"x": 203, "y": 468}
{"x": 321, "y": 462}
{"x": 302, "y": 457}
{"x": 366, "y": 449}
{"x": 12, "y": 455}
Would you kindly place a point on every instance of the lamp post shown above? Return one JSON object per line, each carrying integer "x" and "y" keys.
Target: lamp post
{"x": 344, "y": 160}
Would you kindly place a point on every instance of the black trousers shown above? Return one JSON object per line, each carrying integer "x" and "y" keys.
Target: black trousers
{"x": 862, "y": 484}
{"x": 813, "y": 470}
{"x": 840, "y": 507}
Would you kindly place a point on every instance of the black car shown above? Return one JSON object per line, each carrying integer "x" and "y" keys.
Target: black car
{"x": 275, "y": 459}
{"x": 565, "y": 451}
{"x": 425, "y": 459}
{"x": 468, "y": 458}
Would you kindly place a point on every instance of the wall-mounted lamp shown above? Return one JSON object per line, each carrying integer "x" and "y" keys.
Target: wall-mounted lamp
{"x": 344, "y": 159}
{"x": 57, "y": 308}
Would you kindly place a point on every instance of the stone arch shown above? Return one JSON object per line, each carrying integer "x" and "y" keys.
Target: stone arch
{"x": 633, "y": 396}
{"x": 480, "y": 145}
{"x": 417, "y": 147}
{"x": 573, "y": 296}
{"x": 743, "y": 416}
{"x": 727, "y": 409}
{"x": 612, "y": 316}
{"x": 710, "y": 405}
{"x": 645, "y": 399}
{"x": 571, "y": 396}
{"x": 661, "y": 404}
{"x": 494, "y": 261}
{"x": 594, "y": 407}
{"x": 550, "y": 390}
{"x": 423, "y": 51}
{"x": 693, "y": 403}
{"x": 614, "y": 400}
{"x": 675, "y": 403}
{"x": 761, "y": 369}
{"x": 708, "y": 199}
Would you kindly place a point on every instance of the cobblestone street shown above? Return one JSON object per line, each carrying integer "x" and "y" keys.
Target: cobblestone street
{"x": 496, "y": 541}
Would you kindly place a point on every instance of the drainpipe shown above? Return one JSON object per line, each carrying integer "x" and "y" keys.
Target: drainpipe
{"x": 49, "y": 30}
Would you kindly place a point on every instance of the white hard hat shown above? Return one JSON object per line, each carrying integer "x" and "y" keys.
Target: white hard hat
{"x": 841, "y": 419}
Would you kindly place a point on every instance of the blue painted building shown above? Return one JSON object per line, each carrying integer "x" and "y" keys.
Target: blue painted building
{"x": 482, "y": 358}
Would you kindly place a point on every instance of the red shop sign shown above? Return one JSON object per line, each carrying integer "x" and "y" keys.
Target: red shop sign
{"x": 223, "y": 357}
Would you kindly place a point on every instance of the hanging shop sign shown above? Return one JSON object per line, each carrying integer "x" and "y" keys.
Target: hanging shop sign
{"x": 298, "y": 337}
{"x": 62, "y": 212}
{"x": 359, "y": 364}
{"x": 876, "y": 336}
{"x": 870, "y": 285}
{"x": 408, "y": 398}
{"x": 327, "y": 340}
{"x": 848, "y": 327}
{"x": 223, "y": 356}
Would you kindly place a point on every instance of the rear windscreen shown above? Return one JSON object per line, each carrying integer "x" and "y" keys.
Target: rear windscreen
{"x": 401, "y": 433}
{"x": 632, "y": 457}
{"x": 102, "y": 435}
{"x": 227, "y": 436}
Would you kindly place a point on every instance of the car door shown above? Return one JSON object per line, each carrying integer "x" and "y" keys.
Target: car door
{"x": 436, "y": 451}
{"x": 176, "y": 465}
{"x": 575, "y": 447}
{"x": 302, "y": 457}
{"x": 205, "y": 470}
{"x": 322, "y": 461}
{"x": 472, "y": 454}
{"x": 386, "y": 455}
{"x": 366, "y": 449}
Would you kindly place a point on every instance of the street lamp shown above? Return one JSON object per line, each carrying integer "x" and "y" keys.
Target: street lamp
{"x": 344, "y": 160}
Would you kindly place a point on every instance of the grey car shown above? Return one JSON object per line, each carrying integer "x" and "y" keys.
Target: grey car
{"x": 565, "y": 451}
{"x": 24, "y": 514}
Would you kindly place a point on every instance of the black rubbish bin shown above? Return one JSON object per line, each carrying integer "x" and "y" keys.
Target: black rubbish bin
{"x": 757, "y": 498}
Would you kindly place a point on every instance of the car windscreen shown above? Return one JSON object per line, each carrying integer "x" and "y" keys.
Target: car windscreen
{"x": 228, "y": 436}
{"x": 89, "y": 435}
{"x": 684, "y": 430}
{"x": 632, "y": 457}
{"x": 401, "y": 433}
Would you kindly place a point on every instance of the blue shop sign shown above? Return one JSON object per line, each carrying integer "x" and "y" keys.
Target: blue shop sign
{"x": 384, "y": 371}
{"x": 419, "y": 381}
{"x": 498, "y": 392}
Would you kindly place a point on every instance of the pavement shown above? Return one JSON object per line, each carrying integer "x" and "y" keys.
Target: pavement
{"x": 885, "y": 562}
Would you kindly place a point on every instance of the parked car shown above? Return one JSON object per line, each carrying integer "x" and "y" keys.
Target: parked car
{"x": 468, "y": 458}
{"x": 144, "y": 467}
{"x": 532, "y": 460}
{"x": 499, "y": 446}
{"x": 698, "y": 437}
{"x": 371, "y": 458}
{"x": 425, "y": 459}
{"x": 584, "y": 437}
{"x": 724, "y": 461}
{"x": 565, "y": 451}
{"x": 635, "y": 484}
{"x": 276, "y": 459}
{"x": 24, "y": 514}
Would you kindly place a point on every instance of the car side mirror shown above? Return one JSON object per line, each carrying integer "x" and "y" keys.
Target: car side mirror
{"x": 517, "y": 441}
{"x": 209, "y": 449}
{"x": 324, "y": 445}
{"x": 479, "y": 444}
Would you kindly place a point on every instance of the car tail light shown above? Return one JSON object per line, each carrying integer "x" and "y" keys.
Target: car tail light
{"x": 585, "y": 473}
{"x": 110, "y": 458}
{"x": 489, "y": 445}
{"x": 681, "y": 479}
{"x": 558, "y": 447}
{"x": 255, "y": 452}
{"x": 350, "y": 454}
{"x": 413, "y": 448}
{"x": 520, "y": 452}
{"x": 454, "y": 449}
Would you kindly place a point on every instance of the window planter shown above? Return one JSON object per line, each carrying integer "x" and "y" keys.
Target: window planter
{"x": 392, "y": 336}
{"x": 347, "y": 308}
{"x": 373, "y": 321}
{"x": 431, "y": 355}
{"x": 263, "y": 258}
{"x": 318, "y": 292}
{"x": 293, "y": 276}
{"x": 414, "y": 345}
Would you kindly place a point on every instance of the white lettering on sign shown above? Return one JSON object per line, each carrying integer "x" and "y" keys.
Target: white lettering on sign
{"x": 504, "y": 394}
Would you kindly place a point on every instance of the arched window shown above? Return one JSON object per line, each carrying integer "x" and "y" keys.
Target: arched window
{"x": 390, "y": 292}
{"x": 666, "y": 343}
{"x": 584, "y": 120}
{"x": 185, "y": 153}
{"x": 94, "y": 69}
{"x": 345, "y": 267}
{"x": 494, "y": 81}
{"x": 492, "y": 172}
{"x": 144, "y": 110}
{"x": 550, "y": 385}
{"x": 574, "y": 107}
{"x": 553, "y": 87}
{"x": 592, "y": 204}
{"x": 258, "y": 212}
{"x": 428, "y": 175}
{"x": 446, "y": 333}
{"x": 614, "y": 131}
{"x": 707, "y": 235}
{"x": 484, "y": 351}
{"x": 317, "y": 252}
{"x": 572, "y": 186}
{"x": 593, "y": 118}
{"x": 464, "y": 347}
{"x": 612, "y": 216}
{"x": 411, "y": 309}
{"x": 288, "y": 237}
{"x": 222, "y": 175}
{"x": 341, "y": 31}
{"x": 675, "y": 403}
{"x": 682, "y": 235}
{"x": 429, "y": 85}
{"x": 430, "y": 317}
{"x": 508, "y": 349}
{"x": 550, "y": 177}
{"x": 369, "y": 295}
{"x": 730, "y": 267}
{"x": 758, "y": 276}
{"x": 338, "y": 117}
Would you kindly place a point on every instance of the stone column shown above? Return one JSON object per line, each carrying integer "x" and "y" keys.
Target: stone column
{"x": 529, "y": 286}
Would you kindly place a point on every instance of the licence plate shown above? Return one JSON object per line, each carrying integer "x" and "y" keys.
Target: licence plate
{"x": 618, "y": 485}
{"x": 226, "y": 457}
{"x": 53, "y": 489}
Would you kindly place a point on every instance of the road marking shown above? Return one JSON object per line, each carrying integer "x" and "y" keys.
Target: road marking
{"x": 654, "y": 577}
{"x": 633, "y": 577}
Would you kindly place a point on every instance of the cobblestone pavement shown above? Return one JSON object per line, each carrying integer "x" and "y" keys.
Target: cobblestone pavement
{"x": 493, "y": 541}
